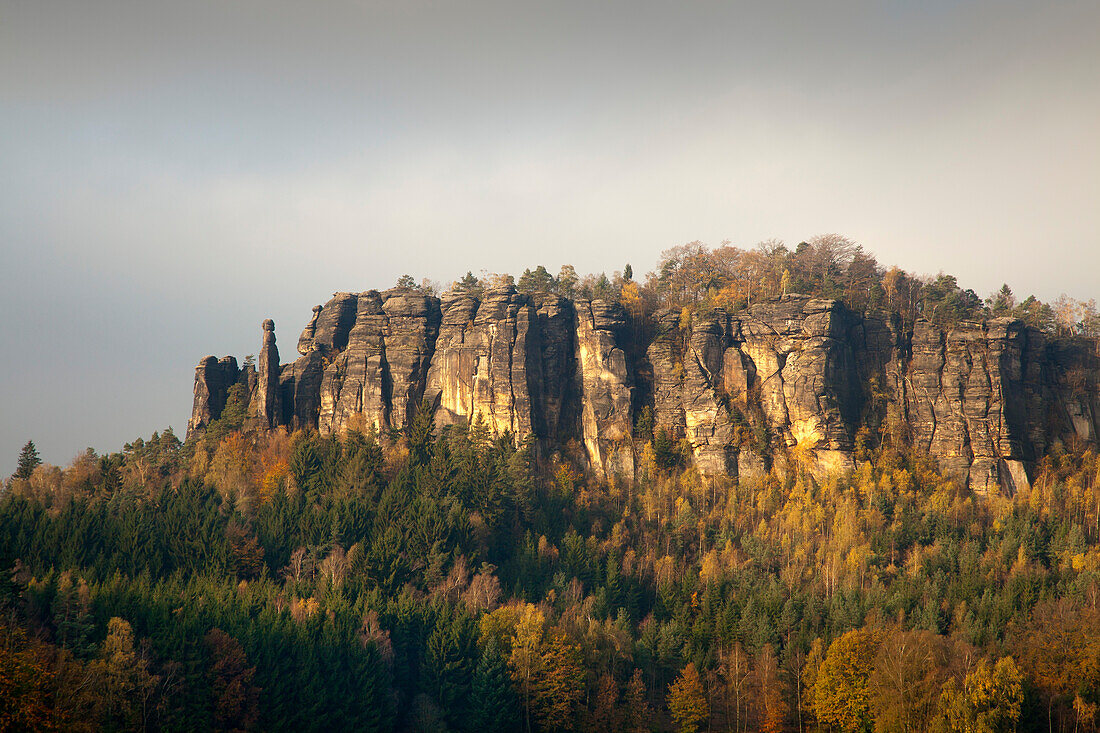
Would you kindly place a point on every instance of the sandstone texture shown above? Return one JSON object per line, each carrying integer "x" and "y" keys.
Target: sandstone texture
{"x": 606, "y": 393}
{"x": 791, "y": 380}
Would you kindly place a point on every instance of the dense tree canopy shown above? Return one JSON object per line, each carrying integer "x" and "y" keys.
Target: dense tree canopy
{"x": 441, "y": 578}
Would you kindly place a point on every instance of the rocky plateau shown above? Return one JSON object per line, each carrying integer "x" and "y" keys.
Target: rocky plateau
{"x": 795, "y": 379}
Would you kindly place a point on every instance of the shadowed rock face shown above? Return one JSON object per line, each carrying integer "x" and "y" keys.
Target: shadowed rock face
{"x": 213, "y": 378}
{"x": 264, "y": 406}
{"x": 797, "y": 375}
{"x": 353, "y": 386}
{"x": 988, "y": 399}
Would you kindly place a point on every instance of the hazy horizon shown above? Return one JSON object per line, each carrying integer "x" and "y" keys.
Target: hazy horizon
{"x": 170, "y": 175}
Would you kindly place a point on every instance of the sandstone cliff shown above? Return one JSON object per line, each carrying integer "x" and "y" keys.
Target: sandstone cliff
{"x": 796, "y": 378}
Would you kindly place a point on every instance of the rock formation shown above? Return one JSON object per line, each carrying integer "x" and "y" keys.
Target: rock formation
{"x": 264, "y": 405}
{"x": 606, "y": 389}
{"x": 791, "y": 379}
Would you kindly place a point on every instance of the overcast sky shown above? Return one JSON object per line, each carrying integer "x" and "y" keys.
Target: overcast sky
{"x": 173, "y": 173}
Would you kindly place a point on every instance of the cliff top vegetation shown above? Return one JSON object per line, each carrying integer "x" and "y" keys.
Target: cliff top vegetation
{"x": 699, "y": 277}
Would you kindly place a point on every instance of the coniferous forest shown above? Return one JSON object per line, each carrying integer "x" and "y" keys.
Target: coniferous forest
{"x": 443, "y": 578}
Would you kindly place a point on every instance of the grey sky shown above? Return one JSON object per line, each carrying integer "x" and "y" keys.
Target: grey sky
{"x": 172, "y": 173}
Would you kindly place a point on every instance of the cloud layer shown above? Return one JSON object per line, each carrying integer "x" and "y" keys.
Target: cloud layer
{"x": 173, "y": 173}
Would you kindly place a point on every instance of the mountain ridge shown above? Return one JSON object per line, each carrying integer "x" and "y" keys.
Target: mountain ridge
{"x": 793, "y": 376}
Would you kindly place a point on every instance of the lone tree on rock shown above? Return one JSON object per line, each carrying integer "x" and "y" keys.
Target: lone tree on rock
{"x": 28, "y": 461}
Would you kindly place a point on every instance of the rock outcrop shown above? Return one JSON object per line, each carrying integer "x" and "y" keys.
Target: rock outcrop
{"x": 264, "y": 405}
{"x": 213, "y": 378}
{"x": 606, "y": 393}
{"x": 988, "y": 399}
{"x": 483, "y": 359}
{"x": 790, "y": 362}
{"x": 792, "y": 379}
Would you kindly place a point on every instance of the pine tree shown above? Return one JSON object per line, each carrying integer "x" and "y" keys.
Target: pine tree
{"x": 494, "y": 706}
{"x": 28, "y": 461}
{"x": 420, "y": 435}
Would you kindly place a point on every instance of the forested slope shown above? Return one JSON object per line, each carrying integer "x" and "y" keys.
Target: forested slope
{"x": 445, "y": 575}
{"x": 269, "y": 581}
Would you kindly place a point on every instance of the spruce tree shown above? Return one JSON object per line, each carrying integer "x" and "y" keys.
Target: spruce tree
{"x": 494, "y": 706}
{"x": 28, "y": 461}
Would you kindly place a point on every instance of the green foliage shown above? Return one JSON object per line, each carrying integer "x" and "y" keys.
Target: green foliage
{"x": 365, "y": 591}
{"x": 232, "y": 416}
{"x": 537, "y": 281}
{"x": 946, "y": 303}
{"x": 669, "y": 453}
{"x": 28, "y": 461}
{"x": 470, "y": 283}
{"x": 494, "y": 707}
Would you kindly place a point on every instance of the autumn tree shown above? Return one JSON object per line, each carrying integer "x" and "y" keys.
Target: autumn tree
{"x": 687, "y": 701}
{"x": 236, "y": 699}
{"x": 638, "y": 712}
{"x": 842, "y": 697}
{"x": 246, "y": 552}
{"x": 909, "y": 671}
{"x": 604, "y": 714}
{"x": 26, "y": 684}
{"x": 125, "y": 682}
{"x": 772, "y": 709}
{"x": 558, "y": 683}
{"x": 547, "y": 669}
{"x": 1053, "y": 646}
{"x": 735, "y": 673}
{"x": 902, "y": 294}
{"x": 988, "y": 702}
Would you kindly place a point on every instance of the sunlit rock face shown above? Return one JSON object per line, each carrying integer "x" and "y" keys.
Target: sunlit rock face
{"x": 787, "y": 366}
{"x": 789, "y": 382}
{"x": 606, "y": 386}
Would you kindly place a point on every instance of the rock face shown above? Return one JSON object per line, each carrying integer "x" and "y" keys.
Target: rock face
{"x": 792, "y": 379}
{"x": 482, "y": 361}
{"x": 264, "y": 405}
{"x": 352, "y": 386}
{"x": 790, "y": 362}
{"x": 606, "y": 388}
{"x": 213, "y": 378}
{"x": 988, "y": 399}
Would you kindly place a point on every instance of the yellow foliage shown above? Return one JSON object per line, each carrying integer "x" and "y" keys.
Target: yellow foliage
{"x": 841, "y": 695}
{"x": 501, "y": 624}
{"x": 687, "y": 702}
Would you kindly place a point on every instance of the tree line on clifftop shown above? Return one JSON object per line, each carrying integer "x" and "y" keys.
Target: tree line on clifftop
{"x": 438, "y": 579}
{"x": 696, "y": 277}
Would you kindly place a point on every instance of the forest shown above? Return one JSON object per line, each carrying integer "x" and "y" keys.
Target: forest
{"x": 443, "y": 579}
